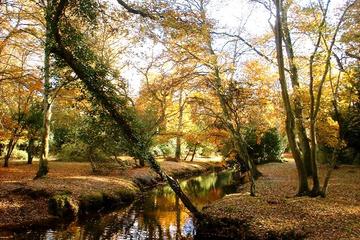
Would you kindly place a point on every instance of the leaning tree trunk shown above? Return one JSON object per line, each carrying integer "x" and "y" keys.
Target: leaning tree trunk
{"x": 187, "y": 154}
{"x": 290, "y": 121}
{"x": 234, "y": 129}
{"x": 102, "y": 90}
{"x": 239, "y": 142}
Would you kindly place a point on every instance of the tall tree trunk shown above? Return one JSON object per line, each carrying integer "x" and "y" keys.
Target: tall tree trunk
{"x": 30, "y": 150}
{"x": 315, "y": 101}
{"x": 298, "y": 104}
{"x": 179, "y": 127}
{"x": 43, "y": 162}
{"x": 290, "y": 120}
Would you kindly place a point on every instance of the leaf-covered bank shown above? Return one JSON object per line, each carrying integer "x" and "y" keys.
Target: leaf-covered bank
{"x": 72, "y": 188}
{"x": 276, "y": 214}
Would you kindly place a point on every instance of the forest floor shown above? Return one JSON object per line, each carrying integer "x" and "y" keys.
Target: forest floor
{"x": 275, "y": 213}
{"x": 24, "y": 201}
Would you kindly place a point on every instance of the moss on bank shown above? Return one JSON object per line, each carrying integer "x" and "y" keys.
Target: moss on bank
{"x": 63, "y": 205}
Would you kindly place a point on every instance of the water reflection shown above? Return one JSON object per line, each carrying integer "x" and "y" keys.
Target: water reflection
{"x": 159, "y": 215}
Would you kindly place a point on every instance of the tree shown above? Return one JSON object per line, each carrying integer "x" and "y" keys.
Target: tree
{"x": 350, "y": 36}
{"x": 195, "y": 39}
{"x": 282, "y": 33}
{"x": 19, "y": 80}
{"x": 290, "y": 119}
{"x": 94, "y": 74}
{"x": 47, "y": 101}
{"x": 33, "y": 124}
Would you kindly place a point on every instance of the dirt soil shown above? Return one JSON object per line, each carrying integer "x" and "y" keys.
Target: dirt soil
{"x": 276, "y": 214}
{"x": 24, "y": 201}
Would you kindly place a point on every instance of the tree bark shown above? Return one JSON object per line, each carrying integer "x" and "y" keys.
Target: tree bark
{"x": 316, "y": 182}
{"x": 298, "y": 104}
{"x": 290, "y": 120}
{"x": 43, "y": 162}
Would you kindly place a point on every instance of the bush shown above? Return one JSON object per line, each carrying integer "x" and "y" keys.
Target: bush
{"x": 271, "y": 145}
{"x": 268, "y": 149}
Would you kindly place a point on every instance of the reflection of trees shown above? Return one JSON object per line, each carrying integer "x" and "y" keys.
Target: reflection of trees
{"x": 178, "y": 219}
{"x": 195, "y": 188}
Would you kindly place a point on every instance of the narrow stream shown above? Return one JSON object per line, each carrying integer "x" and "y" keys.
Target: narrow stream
{"x": 158, "y": 215}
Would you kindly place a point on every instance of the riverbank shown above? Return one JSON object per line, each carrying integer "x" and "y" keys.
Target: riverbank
{"x": 276, "y": 214}
{"x": 71, "y": 189}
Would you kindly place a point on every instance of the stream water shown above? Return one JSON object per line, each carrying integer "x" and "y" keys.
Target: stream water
{"x": 158, "y": 215}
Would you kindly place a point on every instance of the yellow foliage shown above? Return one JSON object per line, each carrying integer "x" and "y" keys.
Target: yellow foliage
{"x": 328, "y": 132}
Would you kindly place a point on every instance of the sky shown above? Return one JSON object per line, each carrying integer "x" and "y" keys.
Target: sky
{"x": 230, "y": 16}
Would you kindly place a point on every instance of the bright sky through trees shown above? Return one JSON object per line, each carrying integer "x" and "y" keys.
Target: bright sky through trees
{"x": 231, "y": 16}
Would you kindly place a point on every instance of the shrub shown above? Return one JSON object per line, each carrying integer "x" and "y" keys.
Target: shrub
{"x": 268, "y": 149}
{"x": 271, "y": 145}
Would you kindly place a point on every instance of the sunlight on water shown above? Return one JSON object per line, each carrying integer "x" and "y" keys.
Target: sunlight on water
{"x": 158, "y": 215}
